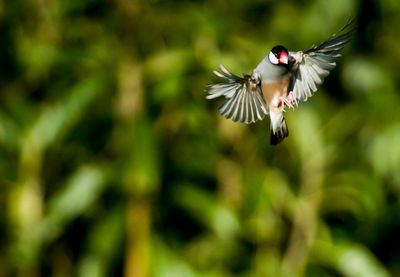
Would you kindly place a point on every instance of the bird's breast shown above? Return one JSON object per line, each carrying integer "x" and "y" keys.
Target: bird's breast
{"x": 273, "y": 90}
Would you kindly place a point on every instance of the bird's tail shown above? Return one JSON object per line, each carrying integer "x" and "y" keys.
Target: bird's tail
{"x": 279, "y": 129}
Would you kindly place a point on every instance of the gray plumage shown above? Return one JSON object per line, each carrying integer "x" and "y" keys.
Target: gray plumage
{"x": 269, "y": 72}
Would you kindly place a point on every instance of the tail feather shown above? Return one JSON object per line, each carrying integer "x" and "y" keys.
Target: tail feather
{"x": 280, "y": 133}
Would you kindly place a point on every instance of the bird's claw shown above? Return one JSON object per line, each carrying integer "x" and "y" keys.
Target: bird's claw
{"x": 290, "y": 100}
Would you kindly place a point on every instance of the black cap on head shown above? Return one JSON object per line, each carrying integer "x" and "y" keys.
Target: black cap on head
{"x": 279, "y": 49}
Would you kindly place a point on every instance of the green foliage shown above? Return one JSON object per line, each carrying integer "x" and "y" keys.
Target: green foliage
{"x": 114, "y": 163}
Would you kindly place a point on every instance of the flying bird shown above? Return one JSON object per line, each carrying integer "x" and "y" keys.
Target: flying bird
{"x": 282, "y": 79}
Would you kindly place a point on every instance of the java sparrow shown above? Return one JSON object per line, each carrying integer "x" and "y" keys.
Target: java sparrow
{"x": 281, "y": 79}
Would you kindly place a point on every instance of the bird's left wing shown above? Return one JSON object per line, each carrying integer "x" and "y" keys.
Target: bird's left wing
{"x": 244, "y": 99}
{"x": 309, "y": 68}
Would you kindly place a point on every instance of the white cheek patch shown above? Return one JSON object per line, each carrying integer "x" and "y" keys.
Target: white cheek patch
{"x": 272, "y": 58}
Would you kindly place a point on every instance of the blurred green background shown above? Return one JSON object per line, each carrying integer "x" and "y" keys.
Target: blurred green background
{"x": 113, "y": 163}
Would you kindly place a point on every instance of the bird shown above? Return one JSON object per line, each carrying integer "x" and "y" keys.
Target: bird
{"x": 282, "y": 79}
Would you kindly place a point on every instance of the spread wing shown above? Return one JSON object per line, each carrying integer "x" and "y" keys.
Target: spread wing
{"x": 309, "y": 68}
{"x": 244, "y": 99}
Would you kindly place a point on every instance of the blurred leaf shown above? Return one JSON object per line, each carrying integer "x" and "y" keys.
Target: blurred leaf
{"x": 365, "y": 76}
{"x": 167, "y": 264}
{"x": 384, "y": 154}
{"x": 55, "y": 121}
{"x": 350, "y": 259}
{"x": 77, "y": 195}
{"x": 9, "y": 132}
{"x": 142, "y": 171}
{"x": 208, "y": 211}
{"x": 104, "y": 241}
{"x": 354, "y": 192}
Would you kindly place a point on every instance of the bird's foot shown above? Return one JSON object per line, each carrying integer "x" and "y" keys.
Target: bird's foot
{"x": 290, "y": 100}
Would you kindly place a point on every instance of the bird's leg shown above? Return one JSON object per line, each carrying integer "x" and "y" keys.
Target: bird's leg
{"x": 290, "y": 100}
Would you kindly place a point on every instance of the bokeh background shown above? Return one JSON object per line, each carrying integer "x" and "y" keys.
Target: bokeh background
{"x": 112, "y": 162}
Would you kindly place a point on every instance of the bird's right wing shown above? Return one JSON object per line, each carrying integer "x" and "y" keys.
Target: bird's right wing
{"x": 244, "y": 99}
{"x": 310, "y": 67}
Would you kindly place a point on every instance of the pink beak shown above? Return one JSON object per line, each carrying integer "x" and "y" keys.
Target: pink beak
{"x": 284, "y": 58}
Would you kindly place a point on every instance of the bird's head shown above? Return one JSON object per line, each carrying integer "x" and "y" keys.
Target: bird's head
{"x": 279, "y": 55}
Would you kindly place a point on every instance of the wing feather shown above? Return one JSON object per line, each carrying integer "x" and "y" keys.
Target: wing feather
{"x": 244, "y": 100}
{"x": 310, "y": 67}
